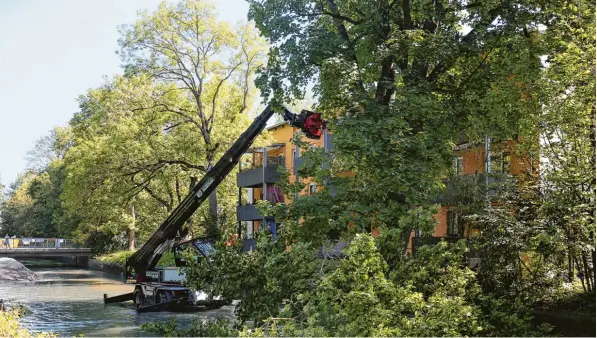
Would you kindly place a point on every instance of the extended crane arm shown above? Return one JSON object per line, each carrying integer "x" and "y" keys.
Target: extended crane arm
{"x": 147, "y": 257}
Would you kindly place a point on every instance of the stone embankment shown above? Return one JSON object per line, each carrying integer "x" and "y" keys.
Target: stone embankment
{"x": 12, "y": 270}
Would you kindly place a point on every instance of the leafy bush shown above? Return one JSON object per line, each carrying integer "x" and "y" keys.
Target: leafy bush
{"x": 119, "y": 258}
{"x": 9, "y": 326}
{"x": 198, "y": 328}
{"x": 262, "y": 280}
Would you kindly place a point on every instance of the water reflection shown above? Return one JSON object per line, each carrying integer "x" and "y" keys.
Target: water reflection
{"x": 70, "y": 302}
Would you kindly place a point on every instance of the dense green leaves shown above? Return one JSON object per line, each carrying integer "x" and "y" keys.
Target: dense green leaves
{"x": 400, "y": 82}
{"x": 33, "y": 206}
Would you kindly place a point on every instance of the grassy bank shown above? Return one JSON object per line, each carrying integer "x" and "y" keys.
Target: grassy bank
{"x": 119, "y": 258}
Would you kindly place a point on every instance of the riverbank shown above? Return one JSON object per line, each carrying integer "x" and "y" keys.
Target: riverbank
{"x": 109, "y": 267}
{"x": 114, "y": 262}
{"x": 69, "y": 302}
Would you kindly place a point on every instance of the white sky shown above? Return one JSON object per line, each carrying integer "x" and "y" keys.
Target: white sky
{"x": 53, "y": 51}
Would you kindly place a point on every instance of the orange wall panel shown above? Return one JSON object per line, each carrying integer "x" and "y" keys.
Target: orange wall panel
{"x": 441, "y": 229}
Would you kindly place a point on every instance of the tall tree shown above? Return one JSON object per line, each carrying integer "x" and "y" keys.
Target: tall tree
{"x": 49, "y": 148}
{"x": 400, "y": 81}
{"x": 16, "y": 216}
{"x": 567, "y": 127}
{"x": 205, "y": 60}
{"x": 33, "y": 207}
{"x": 126, "y": 158}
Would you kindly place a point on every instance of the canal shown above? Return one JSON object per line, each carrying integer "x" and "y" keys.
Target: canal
{"x": 69, "y": 302}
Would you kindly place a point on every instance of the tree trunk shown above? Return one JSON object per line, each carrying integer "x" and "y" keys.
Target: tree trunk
{"x": 580, "y": 270}
{"x": 190, "y": 220}
{"x": 213, "y": 197}
{"x": 588, "y": 274}
{"x": 213, "y": 205}
{"x": 132, "y": 230}
{"x": 570, "y": 266}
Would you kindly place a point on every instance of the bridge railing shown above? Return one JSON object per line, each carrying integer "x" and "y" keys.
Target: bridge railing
{"x": 37, "y": 242}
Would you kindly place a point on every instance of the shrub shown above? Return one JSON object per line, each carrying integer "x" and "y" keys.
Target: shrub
{"x": 9, "y": 326}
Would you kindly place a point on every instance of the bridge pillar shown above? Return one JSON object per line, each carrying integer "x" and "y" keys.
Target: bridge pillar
{"x": 82, "y": 260}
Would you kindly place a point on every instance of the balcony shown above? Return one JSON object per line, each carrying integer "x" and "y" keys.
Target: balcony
{"x": 462, "y": 187}
{"x": 247, "y": 213}
{"x": 297, "y": 162}
{"x": 255, "y": 175}
{"x": 329, "y": 142}
{"x": 420, "y": 241}
{"x": 249, "y": 244}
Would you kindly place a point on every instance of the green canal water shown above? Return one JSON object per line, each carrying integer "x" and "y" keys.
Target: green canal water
{"x": 69, "y": 302}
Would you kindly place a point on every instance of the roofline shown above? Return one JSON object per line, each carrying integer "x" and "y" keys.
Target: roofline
{"x": 269, "y": 147}
{"x": 277, "y": 125}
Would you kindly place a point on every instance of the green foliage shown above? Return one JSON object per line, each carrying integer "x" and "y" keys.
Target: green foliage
{"x": 33, "y": 206}
{"x": 198, "y": 328}
{"x": 519, "y": 254}
{"x": 260, "y": 279}
{"x": 569, "y": 297}
{"x": 394, "y": 81}
{"x": 142, "y": 140}
{"x": 567, "y": 126}
{"x": 9, "y": 326}
{"x": 431, "y": 294}
{"x": 119, "y": 258}
{"x": 206, "y": 63}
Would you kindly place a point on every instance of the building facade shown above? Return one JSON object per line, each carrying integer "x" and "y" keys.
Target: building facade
{"x": 258, "y": 174}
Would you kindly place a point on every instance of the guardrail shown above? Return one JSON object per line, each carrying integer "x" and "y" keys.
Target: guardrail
{"x": 37, "y": 242}
{"x": 271, "y": 162}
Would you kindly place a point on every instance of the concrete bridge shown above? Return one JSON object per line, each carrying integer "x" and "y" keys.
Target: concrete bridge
{"x": 42, "y": 248}
{"x": 44, "y": 252}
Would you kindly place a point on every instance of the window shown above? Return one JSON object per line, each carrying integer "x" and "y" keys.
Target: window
{"x": 453, "y": 226}
{"x": 312, "y": 188}
{"x": 458, "y": 165}
{"x": 500, "y": 163}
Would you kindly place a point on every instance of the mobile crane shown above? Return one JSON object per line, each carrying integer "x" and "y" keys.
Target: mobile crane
{"x": 163, "y": 288}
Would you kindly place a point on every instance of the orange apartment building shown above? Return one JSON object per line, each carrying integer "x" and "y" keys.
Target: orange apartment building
{"x": 259, "y": 175}
{"x": 472, "y": 160}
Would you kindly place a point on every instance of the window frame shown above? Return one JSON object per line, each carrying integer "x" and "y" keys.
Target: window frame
{"x": 500, "y": 163}
{"x": 458, "y": 165}
{"x": 453, "y": 216}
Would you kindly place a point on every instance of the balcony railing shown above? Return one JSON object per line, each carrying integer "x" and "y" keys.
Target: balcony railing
{"x": 271, "y": 162}
{"x": 297, "y": 162}
{"x": 255, "y": 175}
{"x": 459, "y": 187}
{"x": 247, "y": 212}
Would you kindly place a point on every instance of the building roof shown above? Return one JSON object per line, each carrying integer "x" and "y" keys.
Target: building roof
{"x": 269, "y": 147}
{"x": 279, "y": 124}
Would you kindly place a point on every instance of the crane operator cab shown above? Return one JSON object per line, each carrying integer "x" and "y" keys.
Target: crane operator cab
{"x": 163, "y": 288}
{"x": 203, "y": 248}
